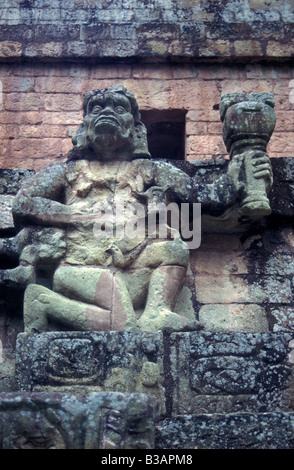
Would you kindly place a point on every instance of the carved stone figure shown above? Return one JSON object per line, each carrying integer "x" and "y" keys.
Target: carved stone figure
{"x": 86, "y": 269}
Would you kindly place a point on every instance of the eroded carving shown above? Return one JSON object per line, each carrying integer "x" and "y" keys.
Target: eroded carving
{"x": 84, "y": 362}
{"x": 229, "y": 372}
{"x": 59, "y": 421}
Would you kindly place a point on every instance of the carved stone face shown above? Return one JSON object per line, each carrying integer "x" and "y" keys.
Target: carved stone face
{"x": 109, "y": 123}
{"x": 111, "y": 127}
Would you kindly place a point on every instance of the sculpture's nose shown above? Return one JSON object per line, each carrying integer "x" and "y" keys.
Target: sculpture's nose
{"x": 107, "y": 110}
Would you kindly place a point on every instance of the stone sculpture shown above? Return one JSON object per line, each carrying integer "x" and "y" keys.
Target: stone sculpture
{"x": 81, "y": 275}
{"x": 248, "y": 123}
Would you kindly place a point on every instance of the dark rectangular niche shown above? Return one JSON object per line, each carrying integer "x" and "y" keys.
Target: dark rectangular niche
{"x": 166, "y": 133}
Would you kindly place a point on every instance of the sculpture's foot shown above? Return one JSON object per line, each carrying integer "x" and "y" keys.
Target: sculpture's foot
{"x": 17, "y": 277}
{"x": 167, "y": 321}
{"x": 35, "y": 315}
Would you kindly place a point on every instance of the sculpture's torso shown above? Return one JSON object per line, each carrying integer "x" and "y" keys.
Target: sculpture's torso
{"x": 101, "y": 191}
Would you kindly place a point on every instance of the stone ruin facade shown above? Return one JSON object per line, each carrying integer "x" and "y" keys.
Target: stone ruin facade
{"x": 109, "y": 341}
{"x": 109, "y": 335}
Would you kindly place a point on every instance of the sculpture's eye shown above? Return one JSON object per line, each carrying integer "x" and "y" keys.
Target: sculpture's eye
{"x": 120, "y": 110}
{"x": 96, "y": 109}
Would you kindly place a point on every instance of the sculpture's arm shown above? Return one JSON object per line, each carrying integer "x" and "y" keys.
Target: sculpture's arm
{"x": 39, "y": 201}
{"x": 247, "y": 171}
{"x": 216, "y": 197}
{"x": 176, "y": 184}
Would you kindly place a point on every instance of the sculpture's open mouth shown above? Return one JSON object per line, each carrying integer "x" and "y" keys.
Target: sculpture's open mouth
{"x": 107, "y": 119}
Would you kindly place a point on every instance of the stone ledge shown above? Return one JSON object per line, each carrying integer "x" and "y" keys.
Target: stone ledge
{"x": 187, "y": 373}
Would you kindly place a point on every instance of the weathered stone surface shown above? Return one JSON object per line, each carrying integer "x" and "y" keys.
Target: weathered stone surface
{"x": 11, "y": 180}
{"x": 282, "y": 194}
{"x": 6, "y": 222}
{"x": 79, "y": 362}
{"x": 227, "y": 431}
{"x": 157, "y": 30}
{"x": 284, "y": 318}
{"x": 227, "y": 373}
{"x": 210, "y": 372}
{"x": 233, "y": 317}
{"x": 61, "y": 421}
{"x": 229, "y": 289}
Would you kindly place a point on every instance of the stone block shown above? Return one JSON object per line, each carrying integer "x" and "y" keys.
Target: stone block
{"x": 205, "y": 144}
{"x": 79, "y": 362}
{"x": 226, "y": 289}
{"x": 220, "y": 262}
{"x": 278, "y": 49}
{"x": 234, "y": 317}
{"x": 248, "y": 48}
{"x": 10, "y": 49}
{"x": 212, "y": 289}
{"x": 227, "y": 431}
{"x": 228, "y": 373}
{"x": 60, "y": 421}
{"x": 283, "y": 318}
{"x": 23, "y": 102}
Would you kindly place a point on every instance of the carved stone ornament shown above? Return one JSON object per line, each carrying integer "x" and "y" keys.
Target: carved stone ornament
{"x": 87, "y": 255}
{"x": 248, "y": 123}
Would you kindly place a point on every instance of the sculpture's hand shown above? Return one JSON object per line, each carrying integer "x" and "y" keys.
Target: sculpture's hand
{"x": 234, "y": 172}
{"x": 261, "y": 165}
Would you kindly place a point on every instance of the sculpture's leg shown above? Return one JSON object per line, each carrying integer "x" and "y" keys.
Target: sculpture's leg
{"x": 83, "y": 299}
{"x": 164, "y": 288}
{"x": 99, "y": 287}
{"x": 42, "y": 305}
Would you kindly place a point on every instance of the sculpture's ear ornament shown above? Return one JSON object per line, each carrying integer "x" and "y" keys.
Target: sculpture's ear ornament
{"x": 78, "y": 140}
{"x": 140, "y": 142}
{"x": 248, "y": 123}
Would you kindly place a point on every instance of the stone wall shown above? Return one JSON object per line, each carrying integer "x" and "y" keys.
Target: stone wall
{"x": 173, "y": 55}
{"x": 41, "y": 104}
{"x": 157, "y": 29}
